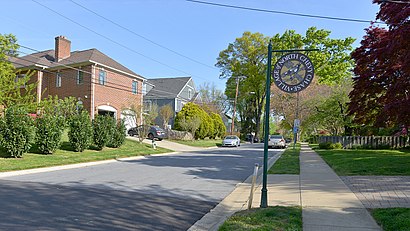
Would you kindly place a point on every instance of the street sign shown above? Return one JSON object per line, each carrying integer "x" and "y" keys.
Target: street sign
{"x": 293, "y": 72}
{"x": 296, "y": 123}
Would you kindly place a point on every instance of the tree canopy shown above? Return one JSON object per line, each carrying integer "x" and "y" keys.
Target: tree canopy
{"x": 14, "y": 87}
{"x": 247, "y": 56}
{"x": 381, "y": 90}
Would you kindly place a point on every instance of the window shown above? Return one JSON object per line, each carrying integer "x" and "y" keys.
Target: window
{"x": 103, "y": 77}
{"x": 58, "y": 80}
{"x": 134, "y": 87}
{"x": 80, "y": 77}
{"x": 18, "y": 80}
{"x": 189, "y": 93}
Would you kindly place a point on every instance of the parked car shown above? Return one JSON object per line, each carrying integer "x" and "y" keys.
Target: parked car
{"x": 153, "y": 132}
{"x": 276, "y": 141}
{"x": 232, "y": 141}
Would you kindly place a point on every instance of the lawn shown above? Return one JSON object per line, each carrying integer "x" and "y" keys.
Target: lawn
{"x": 288, "y": 163}
{"x": 393, "y": 219}
{"x": 206, "y": 143}
{"x": 271, "y": 218}
{"x": 349, "y": 162}
{"x": 66, "y": 155}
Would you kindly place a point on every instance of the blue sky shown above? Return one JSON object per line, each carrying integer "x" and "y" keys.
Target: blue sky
{"x": 194, "y": 30}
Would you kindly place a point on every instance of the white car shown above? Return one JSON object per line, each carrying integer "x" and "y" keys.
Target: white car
{"x": 276, "y": 141}
{"x": 232, "y": 141}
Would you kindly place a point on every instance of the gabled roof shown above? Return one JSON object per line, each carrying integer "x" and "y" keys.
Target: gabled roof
{"x": 46, "y": 59}
{"x": 167, "y": 87}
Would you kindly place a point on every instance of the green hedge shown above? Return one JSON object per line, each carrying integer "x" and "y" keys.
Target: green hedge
{"x": 16, "y": 131}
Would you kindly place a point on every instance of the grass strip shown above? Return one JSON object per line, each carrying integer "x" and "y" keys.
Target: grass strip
{"x": 65, "y": 155}
{"x": 271, "y": 218}
{"x": 350, "y": 162}
{"x": 206, "y": 143}
{"x": 288, "y": 163}
{"x": 392, "y": 219}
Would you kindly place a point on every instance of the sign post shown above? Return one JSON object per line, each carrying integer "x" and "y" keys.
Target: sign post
{"x": 292, "y": 73}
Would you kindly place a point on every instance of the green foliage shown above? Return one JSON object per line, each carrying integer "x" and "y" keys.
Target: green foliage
{"x": 16, "y": 131}
{"x": 13, "y": 91}
{"x": 65, "y": 108}
{"x": 392, "y": 219}
{"x": 219, "y": 126}
{"x": 271, "y": 218}
{"x": 329, "y": 145}
{"x": 247, "y": 56}
{"x": 347, "y": 162}
{"x": 81, "y": 131}
{"x": 118, "y": 135}
{"x": 49, "y": 130}
{"x": 103, "y": 127}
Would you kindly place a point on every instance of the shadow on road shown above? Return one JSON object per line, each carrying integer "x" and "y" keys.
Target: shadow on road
{"x": 54, "y": 207}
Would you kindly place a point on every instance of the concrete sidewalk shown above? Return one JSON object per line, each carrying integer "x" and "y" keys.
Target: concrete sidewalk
{"x": 327, "y": 203}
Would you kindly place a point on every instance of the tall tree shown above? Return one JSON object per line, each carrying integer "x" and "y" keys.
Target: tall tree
{"x": 247, "y": 56}
{"x": 381, "y": 90}
{"x": 14, "y": 87}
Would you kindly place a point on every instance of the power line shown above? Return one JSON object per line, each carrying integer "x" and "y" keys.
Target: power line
{"x": 91, "y": 81}
{"x": 143, "y": 37}
{"x": 109, "y": 39}
{"x": 73, "y": 68}
{"x": 283, "y": 12}
{"x": 393, "y": 1}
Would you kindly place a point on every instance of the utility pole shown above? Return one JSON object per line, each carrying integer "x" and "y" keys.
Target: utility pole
{"x": 234, "y": 102}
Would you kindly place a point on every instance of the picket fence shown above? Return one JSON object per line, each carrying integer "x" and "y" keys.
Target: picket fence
{"x": 367, "y": 141}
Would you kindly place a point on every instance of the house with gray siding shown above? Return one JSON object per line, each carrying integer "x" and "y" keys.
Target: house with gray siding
{"x": 176, "y": 91}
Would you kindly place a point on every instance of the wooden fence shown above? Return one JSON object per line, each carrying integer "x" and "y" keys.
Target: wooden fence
{"x": 367, "y": 141}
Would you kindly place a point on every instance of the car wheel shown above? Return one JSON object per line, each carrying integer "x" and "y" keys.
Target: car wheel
{"x": 151, "y": 136}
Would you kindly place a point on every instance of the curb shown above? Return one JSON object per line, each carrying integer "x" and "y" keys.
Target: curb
{"x": 79, "y": 165}
{"x": 237, "y": 200}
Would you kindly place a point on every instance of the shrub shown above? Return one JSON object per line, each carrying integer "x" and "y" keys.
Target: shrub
{"x": 330, "y": 145}
{"x": 49, "y": 130}
{"x": 219, "y": 126}
{"x": 103, "y": 127}
{"x": 325, "y": 145}
{"x": 189, "y": 111}
{"x": 16, "y": 131}
{"x": 336, "y": 146}
{"x": 80, "y": 133}
{"x": 118, "y": 136}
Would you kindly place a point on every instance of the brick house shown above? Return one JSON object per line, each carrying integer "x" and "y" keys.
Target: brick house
{"x": 101, "y": 84}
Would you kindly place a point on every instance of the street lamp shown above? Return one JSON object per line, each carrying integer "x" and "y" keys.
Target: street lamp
{"x": 234, "y": 102}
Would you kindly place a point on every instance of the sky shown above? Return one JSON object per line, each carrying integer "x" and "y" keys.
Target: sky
{"x": 171, "y": 38}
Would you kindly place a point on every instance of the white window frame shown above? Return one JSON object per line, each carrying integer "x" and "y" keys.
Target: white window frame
{"x": 103, "y": 80}
{"x": 80, "y": 73}
{"x": 134, "y": 87}
{"x": 58, "y": 79}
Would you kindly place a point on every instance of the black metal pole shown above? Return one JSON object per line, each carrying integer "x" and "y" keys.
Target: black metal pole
{"x": 264, "y": 195}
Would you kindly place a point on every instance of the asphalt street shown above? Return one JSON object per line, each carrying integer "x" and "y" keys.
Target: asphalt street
{"x": 167, "y": 192}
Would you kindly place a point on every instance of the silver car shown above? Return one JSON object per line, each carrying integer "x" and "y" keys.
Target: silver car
{"x": 232, "y": 141}
{"x": 276, "y": 141}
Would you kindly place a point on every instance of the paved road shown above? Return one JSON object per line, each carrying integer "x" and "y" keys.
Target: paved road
{"x": 154, "y": 193}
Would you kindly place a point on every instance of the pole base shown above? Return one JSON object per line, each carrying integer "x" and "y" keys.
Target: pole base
{"x": 264, "y": 198}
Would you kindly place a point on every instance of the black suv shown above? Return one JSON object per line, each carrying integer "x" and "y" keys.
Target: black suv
{"x": 153, "y": 132}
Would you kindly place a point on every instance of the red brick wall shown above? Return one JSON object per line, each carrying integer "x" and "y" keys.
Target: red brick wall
{"x": 117, "y": 92}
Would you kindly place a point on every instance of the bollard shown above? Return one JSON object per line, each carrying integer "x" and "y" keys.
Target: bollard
{"x": 255, "y": 174}
{"x": 154, "y": 145}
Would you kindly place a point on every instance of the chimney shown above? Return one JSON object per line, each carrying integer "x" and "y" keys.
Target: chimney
{"x": 62, "y": 48}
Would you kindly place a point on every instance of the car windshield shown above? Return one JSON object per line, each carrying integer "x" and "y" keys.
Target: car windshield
{"x": 276, "y": 137}
{"x": 230, "y": 137}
